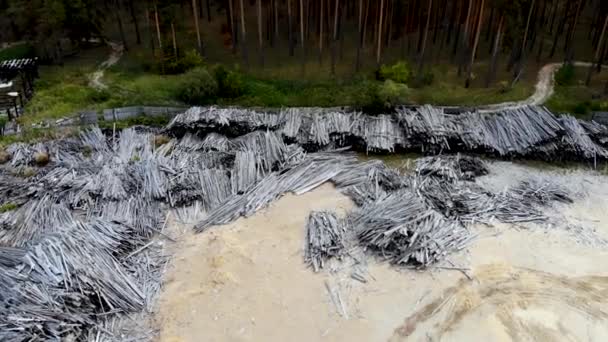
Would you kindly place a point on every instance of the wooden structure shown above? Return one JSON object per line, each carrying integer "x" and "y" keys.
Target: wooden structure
{"x": 16, "y": 84}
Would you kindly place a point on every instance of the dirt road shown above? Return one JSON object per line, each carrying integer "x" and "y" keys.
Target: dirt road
{"x": 96, "y": 78}
{"x": 247, "y": 282}
{"x": 544, "y": 88}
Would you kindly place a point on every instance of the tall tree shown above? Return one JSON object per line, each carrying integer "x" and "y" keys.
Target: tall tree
{"x": 120, "y": 28}
{"x": 492, "y": 69}
{"x": 260, "y": 35}
{"x": 302, "y": 32}
{"x": 134, "y": 20}
{"x": 463, "y": 44}
{"x": 359, "y": 36}
{"x": 379, "y": 48}
{"x": 569, "y": 49}
{"x": 467, "y": 82}
{"x": 334, "y": 39}
{"x": 198, "y": 31}
{"x": 290, "y": 29}
{"x": 598, "y": 48}
{"x": 244, "y": 34}
{"x": 522, "y": 51}
{"x": 160, "y": 41}
{"x": 426, "y": 33}
{"x": 321, "y": 21}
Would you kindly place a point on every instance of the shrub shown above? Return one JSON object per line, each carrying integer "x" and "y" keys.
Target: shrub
{"x": 197, "y": 87}
{"x": 17, "y": 51}
{"x": 99, "y": 95}
{"x": 192, "y": 59}
{"x": 8, "y": 207}
{"x": 426, "y": 78}
{"x": 398, "y": 72}
{"x": 391, "y": 93}
{"x": 581, "y": 108}
{"x": 230, "y": 83}
{"x": 181, "y": 64}
{"x": 565, "y": 75}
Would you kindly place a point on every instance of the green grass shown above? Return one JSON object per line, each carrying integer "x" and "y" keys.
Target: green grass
{"x": 579, "y": 99}
{"x": 21, "y": 50}
{"x": 64, "y": 91}
{"x": 32, "y": 135}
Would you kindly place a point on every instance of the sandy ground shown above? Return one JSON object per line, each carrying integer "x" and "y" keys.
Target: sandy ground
{"x": 247, "y": 282}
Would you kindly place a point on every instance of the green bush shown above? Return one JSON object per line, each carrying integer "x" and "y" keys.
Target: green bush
{"x": 230, "y": 83}
{"x": 181, "y": 64}
{"x": 99, "y": 95}
{"x": 9, "y": 206}
{"x": 398, "y": 72}
{"x": 581, "y": 108}
{"x": 17, "y": 51}
{"x": 565, "y": 75}
{"x": 424, "y": 79}
{"x": 192, "y": 59}
{"x": 197, "y": 87}
{"x": 391, "y": 93}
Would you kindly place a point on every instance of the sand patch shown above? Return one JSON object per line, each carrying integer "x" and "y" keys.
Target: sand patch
{"x": 247, "y": 282}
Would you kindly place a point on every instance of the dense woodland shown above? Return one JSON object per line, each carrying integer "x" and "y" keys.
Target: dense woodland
{"x": 422, "y": 31}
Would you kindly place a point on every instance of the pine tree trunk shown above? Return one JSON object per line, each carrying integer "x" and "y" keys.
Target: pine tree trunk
{"x": 492, "y": 70}
{"x": 160, "y": 41}
{"x": 458, "y": 26}
{"x": 302, "y": 24}
{"x": 560, "y": 29}
{"x": 467, "y": 82}
{"x": 120, "y": 28}
{"x": 404, "y": 34}
{"x": 150, "y": 30}
{"x": 289, "y": 29}
{"x": 455, "y": 11}
{"x": 334, "y": 40}
{"x": 196, "y": 27}
{"x": 303, "y": 53}
{"x": 276, "y": 20}
{"x": 360, "y": 33}
{"x": 379, "y": 48}
{"x": 596, "y": 58}
{"x": 321, "y": 21}
{"x": 134, "y": 20}
{"x": 489, "y": 28}
{"x": 465, "y": 39}
{"x": 522, "y": 53}
{"x": 174, "y": 40}
{"x": 426, "y": 33}
{"x": 244, "y": 35}
{"x": 233, "y": 29}
{"x": 389, "y": 30}
{"x": 569, "y": 49}
{"x": 365, "y": 24}
{"x": 260, "y": 33}
{"x": 553, "y": 15}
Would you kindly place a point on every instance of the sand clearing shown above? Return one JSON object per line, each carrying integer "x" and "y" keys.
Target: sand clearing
{"x": 247, "y": 282}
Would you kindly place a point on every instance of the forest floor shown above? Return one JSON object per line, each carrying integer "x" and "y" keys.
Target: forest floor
{"x": 511, "y": 284}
